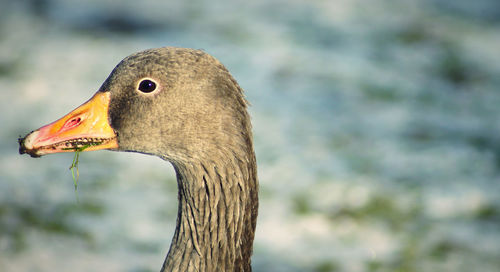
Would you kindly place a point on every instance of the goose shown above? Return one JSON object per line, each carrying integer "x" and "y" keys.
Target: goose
{"x": 183, "y": 106}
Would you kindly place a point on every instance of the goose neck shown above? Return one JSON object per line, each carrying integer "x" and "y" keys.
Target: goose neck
{"x": 216, "y": 217}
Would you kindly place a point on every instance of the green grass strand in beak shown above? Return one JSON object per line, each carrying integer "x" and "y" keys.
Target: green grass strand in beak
{"x": 74, "y": 169}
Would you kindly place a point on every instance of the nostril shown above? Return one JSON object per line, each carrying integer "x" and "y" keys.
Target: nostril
{"x": 73, "y": 122}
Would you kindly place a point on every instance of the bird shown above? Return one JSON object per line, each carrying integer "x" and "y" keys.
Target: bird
{"x": 183, "y": 106}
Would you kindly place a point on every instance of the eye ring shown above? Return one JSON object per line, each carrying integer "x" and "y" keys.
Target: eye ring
{"x": 147, "y": 85}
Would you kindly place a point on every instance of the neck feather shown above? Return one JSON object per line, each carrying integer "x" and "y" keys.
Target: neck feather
{"x": 217, "y": 216}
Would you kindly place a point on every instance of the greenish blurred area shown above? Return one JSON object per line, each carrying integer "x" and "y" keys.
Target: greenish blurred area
{"x": 376, "y": 128}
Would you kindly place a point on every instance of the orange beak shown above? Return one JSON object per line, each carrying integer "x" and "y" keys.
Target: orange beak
{"x": 84, "y": 129}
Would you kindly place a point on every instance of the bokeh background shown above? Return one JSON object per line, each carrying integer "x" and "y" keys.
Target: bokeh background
{"x": 376, "y": 129}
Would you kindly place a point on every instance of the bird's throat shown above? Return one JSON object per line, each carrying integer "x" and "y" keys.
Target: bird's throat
{"x": 216, "y": 217}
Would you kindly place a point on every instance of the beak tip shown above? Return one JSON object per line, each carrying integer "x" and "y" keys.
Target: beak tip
{"x": 22, "y": 147}
{"x": 26, "y": 146}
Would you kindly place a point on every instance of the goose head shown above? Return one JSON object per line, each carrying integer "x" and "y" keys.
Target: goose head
{"x": 179, "y": 104}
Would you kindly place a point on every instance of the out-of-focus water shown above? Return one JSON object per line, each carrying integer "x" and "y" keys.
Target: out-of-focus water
{"x": 376, "y": 131}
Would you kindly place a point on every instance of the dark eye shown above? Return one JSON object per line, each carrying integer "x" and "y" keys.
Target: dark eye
{"x": 147, "y": 86}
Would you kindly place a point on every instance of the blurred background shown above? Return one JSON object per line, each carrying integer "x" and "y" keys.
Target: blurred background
{"x": 375, "y": 122}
